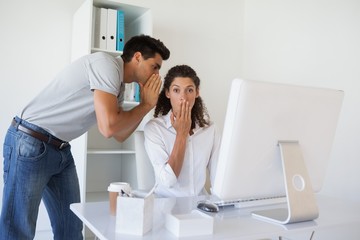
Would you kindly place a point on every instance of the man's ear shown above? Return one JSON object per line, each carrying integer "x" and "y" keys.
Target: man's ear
{"x": 137, "y": 57}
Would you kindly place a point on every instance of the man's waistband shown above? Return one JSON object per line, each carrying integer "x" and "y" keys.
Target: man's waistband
{"x": 41, "y": 136}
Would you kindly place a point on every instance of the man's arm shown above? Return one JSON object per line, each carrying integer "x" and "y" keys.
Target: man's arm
{"x": 114, "y": 121}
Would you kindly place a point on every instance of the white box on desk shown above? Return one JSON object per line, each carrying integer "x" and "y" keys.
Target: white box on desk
{"x": 190, "y": 224}
{"x": 134, "y": 215}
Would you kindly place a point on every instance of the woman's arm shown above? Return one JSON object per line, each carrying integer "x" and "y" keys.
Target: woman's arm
{"x": 182, "y": 125}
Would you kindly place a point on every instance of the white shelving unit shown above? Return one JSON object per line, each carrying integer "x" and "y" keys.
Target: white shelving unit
{"x": 138, "y": 20}
{"x": 99, "y": 160}
{"x": 106, "y": 161}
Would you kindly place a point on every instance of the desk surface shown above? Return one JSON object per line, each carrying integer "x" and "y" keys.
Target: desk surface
{"x": 337, "y": 220}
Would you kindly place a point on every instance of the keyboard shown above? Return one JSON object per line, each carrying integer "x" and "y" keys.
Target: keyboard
{"x": 251, "y": 202}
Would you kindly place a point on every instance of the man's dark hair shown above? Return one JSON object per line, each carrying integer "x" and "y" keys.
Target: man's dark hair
{"x": 147, "y": 46}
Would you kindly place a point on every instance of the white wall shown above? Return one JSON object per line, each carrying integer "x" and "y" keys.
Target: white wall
{"x": 311, "y": 42}
{"x": 207, "y": 35}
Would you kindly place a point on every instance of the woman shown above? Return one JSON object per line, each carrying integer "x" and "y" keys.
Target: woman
{"x": 181, "y": 142}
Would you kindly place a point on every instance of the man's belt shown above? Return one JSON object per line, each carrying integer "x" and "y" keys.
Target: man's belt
{"x": 57, "y": 143}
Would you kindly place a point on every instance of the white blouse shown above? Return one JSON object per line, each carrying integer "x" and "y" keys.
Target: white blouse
{"x": 201, "y": 152}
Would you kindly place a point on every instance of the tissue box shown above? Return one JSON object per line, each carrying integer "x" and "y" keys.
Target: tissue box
{"x": 134, "y": 215}
{"x": 191, "y": 224}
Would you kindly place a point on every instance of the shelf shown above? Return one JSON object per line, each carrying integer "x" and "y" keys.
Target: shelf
{"x": 110, "y": 151}
{"x": 133, "y": 12}
{"x": 130, "y": 104}
{"x": 113, "y": 53}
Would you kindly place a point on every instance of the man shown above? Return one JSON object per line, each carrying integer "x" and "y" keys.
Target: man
{"x": 38, "y": 163}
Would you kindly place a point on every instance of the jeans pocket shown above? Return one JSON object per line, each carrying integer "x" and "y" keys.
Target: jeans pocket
{"x": 7, "y": 158}
{"x": 30, "y": 149}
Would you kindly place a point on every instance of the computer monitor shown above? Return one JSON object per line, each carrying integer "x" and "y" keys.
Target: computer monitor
{"x": 276, "y": 141}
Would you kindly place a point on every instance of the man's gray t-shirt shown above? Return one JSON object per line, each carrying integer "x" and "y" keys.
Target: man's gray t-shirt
{"x": 65, "y": 108}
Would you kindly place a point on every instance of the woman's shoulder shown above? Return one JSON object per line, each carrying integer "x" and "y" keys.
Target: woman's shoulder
{"x": 155, "y": 122}
{"x": 210, "y": 125}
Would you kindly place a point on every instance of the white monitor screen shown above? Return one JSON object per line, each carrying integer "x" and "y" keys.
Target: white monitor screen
{"x": 259, "y": 114}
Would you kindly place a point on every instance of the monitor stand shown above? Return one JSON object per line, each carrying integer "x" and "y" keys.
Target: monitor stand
{"x": 301, "y": 202}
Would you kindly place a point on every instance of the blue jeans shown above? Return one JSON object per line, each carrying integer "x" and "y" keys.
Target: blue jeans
{"x": 35, "y": 170}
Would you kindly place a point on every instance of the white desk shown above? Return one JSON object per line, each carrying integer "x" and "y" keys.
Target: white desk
{"x": 337, "y": 220}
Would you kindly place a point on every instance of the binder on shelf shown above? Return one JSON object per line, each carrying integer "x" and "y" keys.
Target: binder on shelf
{"x": 129, "y": 94}
{"x": 137, "y": 92}
{"x": 120, "y": 31}
{"x": 111, "y": 29}
{"x": 100, "y": 27}
{"x": 132, "y": 92}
